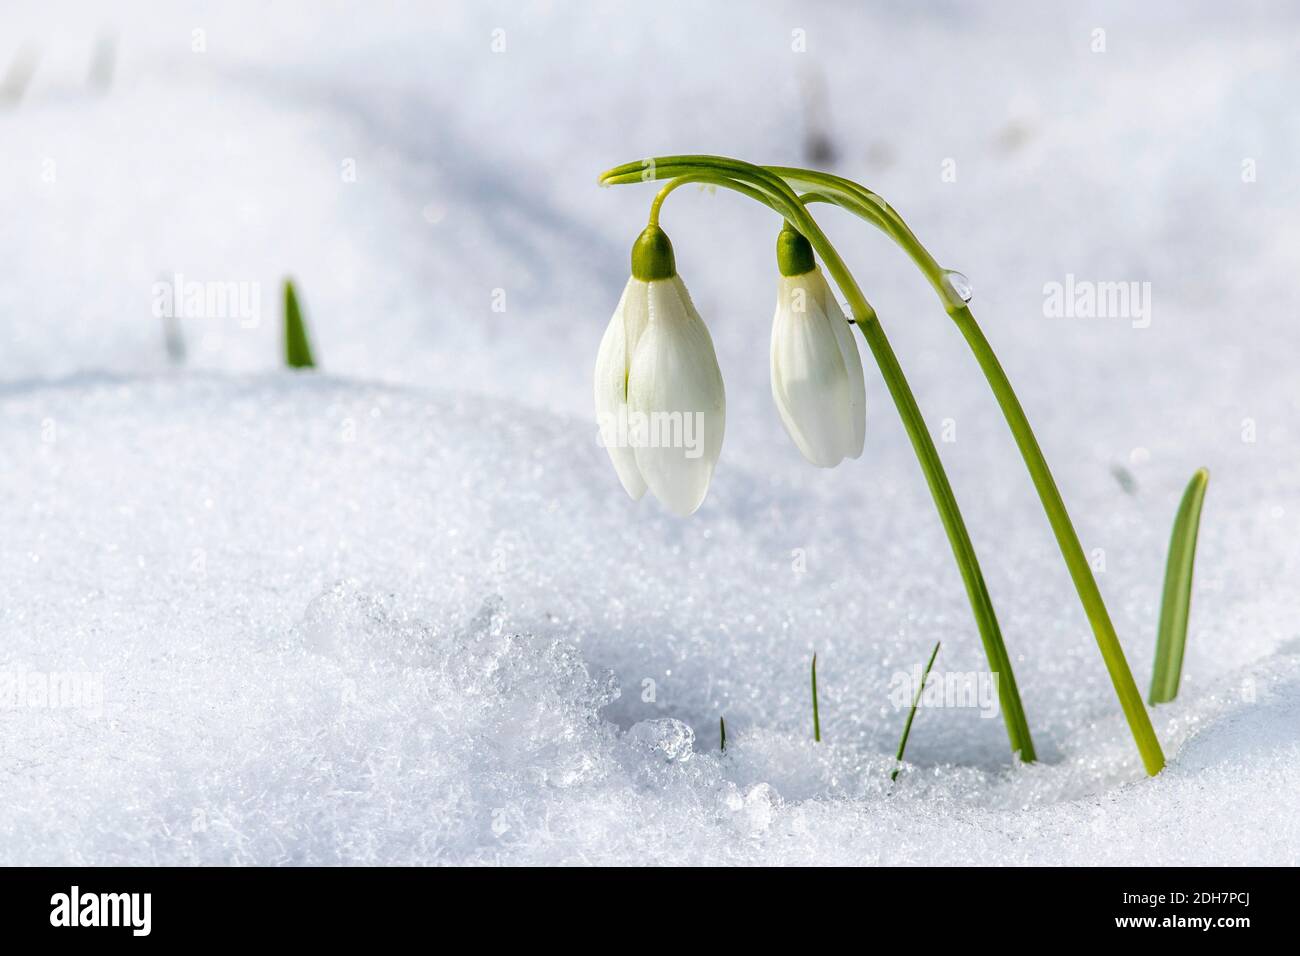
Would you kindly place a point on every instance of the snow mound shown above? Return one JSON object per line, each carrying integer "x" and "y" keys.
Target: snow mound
{"x": 318, "y": 621}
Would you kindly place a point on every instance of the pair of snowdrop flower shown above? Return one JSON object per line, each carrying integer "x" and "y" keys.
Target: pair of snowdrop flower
{"x": 660, "y": 401}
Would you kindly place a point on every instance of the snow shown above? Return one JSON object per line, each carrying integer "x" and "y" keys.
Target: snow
{"x": 400, "y": 610}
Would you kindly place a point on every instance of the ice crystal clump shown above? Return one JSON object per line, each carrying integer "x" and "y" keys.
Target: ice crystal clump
{"x": 667, "y": 737}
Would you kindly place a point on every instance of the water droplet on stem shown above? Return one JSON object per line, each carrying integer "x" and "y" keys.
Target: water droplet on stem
{"x": 959, "y": 285}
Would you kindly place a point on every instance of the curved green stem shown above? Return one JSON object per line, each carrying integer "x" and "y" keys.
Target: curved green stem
{"x": 1130, "y": 698}
{"x": 867, "y": 205}
{"x": 783, "y": 199}
{"x": 963, "y": 548}
{"x": 710, "y": 179}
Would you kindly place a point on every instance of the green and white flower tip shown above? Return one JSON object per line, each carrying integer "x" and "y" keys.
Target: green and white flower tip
{"x": 660, "y": 402}
{"x": 817, "y": 380}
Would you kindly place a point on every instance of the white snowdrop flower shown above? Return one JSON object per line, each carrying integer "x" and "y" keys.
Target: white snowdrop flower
{"x": 660, "y": 401}
{"x": 817, "y": 378}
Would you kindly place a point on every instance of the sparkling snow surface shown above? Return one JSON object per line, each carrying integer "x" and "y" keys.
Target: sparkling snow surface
{"x": 400, "y": 610}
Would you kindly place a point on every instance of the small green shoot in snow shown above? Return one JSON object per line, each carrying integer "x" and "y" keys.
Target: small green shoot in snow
{"x": 297, "y": 349}
{"x": 911, "y": 714}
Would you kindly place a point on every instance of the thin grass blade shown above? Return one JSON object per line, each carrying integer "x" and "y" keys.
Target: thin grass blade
{"x": 817, "y": 724}
{"x": 911, "y": 714}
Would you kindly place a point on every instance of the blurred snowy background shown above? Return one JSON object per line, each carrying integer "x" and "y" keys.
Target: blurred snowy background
{"x": 400, "y": 610}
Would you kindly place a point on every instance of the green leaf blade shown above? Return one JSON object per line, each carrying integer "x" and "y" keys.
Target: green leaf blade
{"x": 1175, "y": 605}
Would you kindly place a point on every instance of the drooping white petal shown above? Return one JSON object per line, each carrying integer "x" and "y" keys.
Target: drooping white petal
{"x": 848, "y": 343}
{"x": 676, "y": 384}
{"x": 809, "y": 384}
{"x": 613, "y": 359}
{"x": 816, "y": 372}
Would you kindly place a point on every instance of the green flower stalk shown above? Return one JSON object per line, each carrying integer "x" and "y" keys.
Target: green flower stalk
{"x": 789, "y": 192}
{"x": 954, "y": 292}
